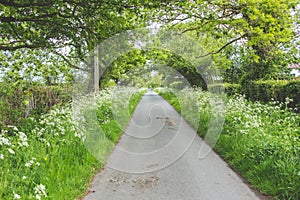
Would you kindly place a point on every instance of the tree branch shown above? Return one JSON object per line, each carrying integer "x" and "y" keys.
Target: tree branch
{"x": 14, "y": 31}
{"x": 223, "y": 47}
{"x": 13, "y": 48}
{"x": 69, "y": 62}
{"x": 11, "y": 3}
{"x": 28, "y": 18}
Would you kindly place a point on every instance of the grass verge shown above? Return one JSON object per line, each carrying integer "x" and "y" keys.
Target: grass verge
{"x": 46, "y": 158}
{"x": 260, "y": 141}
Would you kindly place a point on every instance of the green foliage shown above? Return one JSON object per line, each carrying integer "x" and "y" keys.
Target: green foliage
{"x": 260, "y": 31}
{"x": 46, "y": 158}
{"x": 123, "y": 67}
{"x": 110, "y": 126}
{"x": 45, "y": 152}
{"x": 228, "y": 88}
{"x": 170, "y": 97}
{"x": 25, "y": 66}
{"x": 26, "y": 24}
{"x": 18, "y": 103}
{"x": 284, "y": 91}
{"x": 12, "y": 106}
{"x": 260, "y": 141}
{"x": 181, "y": 65}
{"x": 263, "y": 143}
{"x": 231, "y": 88}
{"x": 46, "y": 39}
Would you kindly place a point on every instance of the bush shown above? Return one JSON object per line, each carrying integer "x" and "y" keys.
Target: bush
{"x": 280, "y": 91}
{"x": 285, "y": 91}
{"x": 48, "y": 157}
{"x": 228, "y": 88}
{"x": 18, "y": 102}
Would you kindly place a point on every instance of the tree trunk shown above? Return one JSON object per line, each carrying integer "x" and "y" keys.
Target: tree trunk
{"x": 96, "y": 70}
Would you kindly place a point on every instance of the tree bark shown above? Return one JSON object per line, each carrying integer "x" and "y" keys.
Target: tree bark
{"x": 96, "y": 70}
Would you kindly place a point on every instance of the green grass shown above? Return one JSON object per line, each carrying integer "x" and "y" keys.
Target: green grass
{"x": 260, "y": 141}
{"x": 46, "y": 158}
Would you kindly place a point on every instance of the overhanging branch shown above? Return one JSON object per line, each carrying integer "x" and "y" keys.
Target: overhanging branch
{"x": 4, "y": 47}
{"x": 223, "y": 47}
{"x": 12, "y": 3}
{"x": 28, "y": 18}
{"x": 69, "y": 62}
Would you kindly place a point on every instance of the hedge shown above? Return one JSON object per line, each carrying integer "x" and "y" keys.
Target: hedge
{"x": 274, "y": 90}
{"x": 20, "y": 102}
{"x": 264, "y": 91}
{"x": 228, "y": 88}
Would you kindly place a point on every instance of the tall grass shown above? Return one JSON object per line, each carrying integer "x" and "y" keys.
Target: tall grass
{"x": 261, "y": 141}
{"x": 46, "y": 158}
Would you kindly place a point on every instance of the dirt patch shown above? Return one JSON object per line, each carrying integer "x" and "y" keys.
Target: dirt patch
{"x": 142, "y": 183}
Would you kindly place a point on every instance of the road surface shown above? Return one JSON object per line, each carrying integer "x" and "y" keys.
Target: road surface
{"x": 158, "y": 158}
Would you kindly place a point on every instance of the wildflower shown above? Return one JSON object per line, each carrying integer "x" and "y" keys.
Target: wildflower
{"x": 24, "y": 177}
{"x": 23, "y": 139}
{"x": 1, "y": 156}
{"x": 4, "y": 141}
{"x": 17, "y": 196}
{"x": 11, "y": 151}
{"x": 28, "y": 164}
{"x": 13, "y": 127}
{"x": 38, "y": 197}
{"x": 31, "y": 162}
{"x": 288, "y": 100}
{"x": 40, "y": 133}
{"x": 40, "y": 190}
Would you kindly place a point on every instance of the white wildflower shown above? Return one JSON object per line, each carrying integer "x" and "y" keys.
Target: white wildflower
{"x": 31, "y": 162}
{"x": 11, "y": 151}
{"x": 4, "y": 141}
{"x": 17, "y": 196}
{"x": 38, "y": 197}
{"x": 28, "y": 164}
{"x": 40, "y": 190}
{"x": 1, "y": 156}
{"x": 13, "y": 127}
{"x": 3, "y": 132}
{"x": 23, "y": 139}
{"x": 24, "y": 177}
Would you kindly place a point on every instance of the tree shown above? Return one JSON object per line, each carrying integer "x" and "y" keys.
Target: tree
{"x": 123, "y": 65}
{"x": 65, "y": 31}
{"x": 261, "y": 27}
{"x": 180, "y": 65}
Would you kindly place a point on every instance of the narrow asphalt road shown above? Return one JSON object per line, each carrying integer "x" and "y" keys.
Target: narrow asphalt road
{"x": 158, "y": 158}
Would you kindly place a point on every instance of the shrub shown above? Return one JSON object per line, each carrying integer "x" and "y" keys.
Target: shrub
{"x": 18, "y": 102}
{"x": 47, "y": 158}
{"x": 228, "y": 88}
{"x": 275, "y": 90}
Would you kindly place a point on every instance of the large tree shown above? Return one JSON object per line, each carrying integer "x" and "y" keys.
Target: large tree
{"x": 66, "y": 31}
{"x": 62, "y": 32}
{"x": 56, "y": 23}
{"x": 261, "y": 28}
